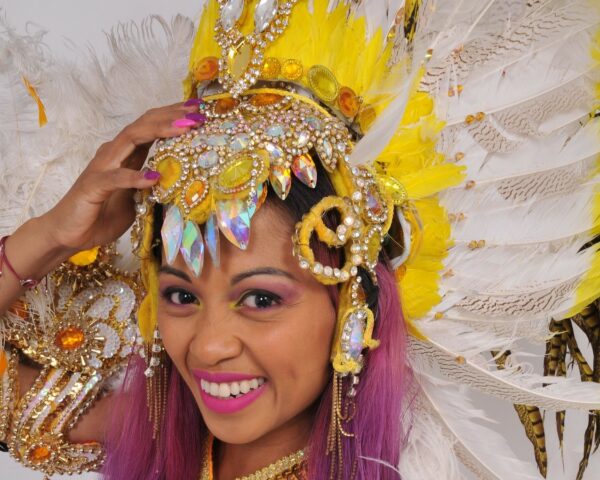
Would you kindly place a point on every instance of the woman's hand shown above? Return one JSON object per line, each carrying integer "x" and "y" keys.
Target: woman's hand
{"x": 99, "y": 207}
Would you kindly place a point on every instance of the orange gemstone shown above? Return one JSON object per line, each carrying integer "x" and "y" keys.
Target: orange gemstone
{"x": 39, "y": 454}
{"x": 292, "y": 69}
{"x": 3, "y": 362}
{"x": 348, "y": 102}
{"x": 206, "y": 69}
{"x": 20, "y": 309}
{"x": 263, "y": 99}
{"x": 225, "y": 105}
{"x": 71, "y": 338}
{"x": 194, "y": 192}
{"x": 271, "y": 68}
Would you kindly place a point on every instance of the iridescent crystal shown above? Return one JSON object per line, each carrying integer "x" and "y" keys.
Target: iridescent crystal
{"x": 172, "y": 232}
{"x": 211, "y": 237}
{"x": 314, "y": 123}
{"x": 217, "y": 140}
{"x": 192, "y": 247}
{"x": 327, "y": 149}
{"x": 355, "y": 328}
{"x": 303, "y": 139}
{"x": 234, "y": 221}
{"x": 197, "y": 141}
{"x": 281, "y": 180}
{"x": 208, "y": 159}
{"x": 305, "y": 170}
{"x": 264, "y": 14}
{"x": 255, "y": 200}
{"x": 228, "y": 125}
{"x": 231, "y": 13}
{"x": 275, "y": 130}
{"x": 275, "y": 152}
{"x": 374, "y": 204}
{"x": 240, "y": 142}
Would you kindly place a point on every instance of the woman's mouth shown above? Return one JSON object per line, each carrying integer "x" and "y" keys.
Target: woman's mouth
{"x": 231, "y": 389}
{"x": 228, "y": 393}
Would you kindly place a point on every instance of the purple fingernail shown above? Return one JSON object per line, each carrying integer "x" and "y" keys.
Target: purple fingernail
{"x": 196, "y": 117}
{"x": 193, "y": 101}
{"x": 183, "y": 123}
{"x": 151, "y": 175}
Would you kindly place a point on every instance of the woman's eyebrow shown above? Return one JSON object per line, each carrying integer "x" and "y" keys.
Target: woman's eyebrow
{"x": 174, "y": 271}
{"x": 261, "y": 271}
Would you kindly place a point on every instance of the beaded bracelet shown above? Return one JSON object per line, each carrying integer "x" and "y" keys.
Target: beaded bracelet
{"x": 25, "y": 282}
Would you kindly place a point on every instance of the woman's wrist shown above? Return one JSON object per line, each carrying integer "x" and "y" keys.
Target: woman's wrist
{"x": 33, "y": 252}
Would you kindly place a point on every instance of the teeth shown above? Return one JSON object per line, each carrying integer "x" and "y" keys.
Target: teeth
{"x": 226, "y": 390}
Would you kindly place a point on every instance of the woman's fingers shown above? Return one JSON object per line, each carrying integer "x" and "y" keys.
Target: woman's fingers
{"x": 157, "y": 123}
{"x": 101, "y": 185}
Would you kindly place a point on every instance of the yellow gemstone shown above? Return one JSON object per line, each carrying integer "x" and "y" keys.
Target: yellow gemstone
{"x": 238, "y": 59}
{"x": 71, "y": 338}
{"x": 323, "y": 83}
{"x": 271, "y": 68}
{"x": 39, "y": 454}
{"x": 348, "y": 102}
{"x": 225, "y": 105}
{"x": 469, "y": 119}
{"x": 206, "y": 69}
{"x": 195, "y": 192}
{"x": 85, "y": 257}
{"x": 263, "y": 99}
{"x": 394, "y": 188}
{"x": 237, "y": 173}
{"x": 366, "y": 117}
{"x": 292, "y": 69}
{"x": 170, "y": 171}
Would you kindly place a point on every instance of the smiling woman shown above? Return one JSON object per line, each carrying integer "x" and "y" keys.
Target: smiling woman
{"x": 251, "y": 341}
{"x": 348, "y": 188}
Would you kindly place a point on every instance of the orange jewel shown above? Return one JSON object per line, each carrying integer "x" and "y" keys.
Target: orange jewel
{"x": 225, "y": 105}
{"x": 206, "y": 69}
{"x": 263, "y": 99}
{"x": 194, "y": 192}
{"x": 348, "y": 102}
{"x": 3, "y": 362}
{"x": 71, "y": 338}
{"x": 39, "y": 454}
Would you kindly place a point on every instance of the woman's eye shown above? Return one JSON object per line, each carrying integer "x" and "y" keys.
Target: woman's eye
{"x": 260, "y": 300}
{"x": 179, "y": 296}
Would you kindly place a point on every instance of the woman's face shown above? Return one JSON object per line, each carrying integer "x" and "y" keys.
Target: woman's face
{"x": 251, "y": 338}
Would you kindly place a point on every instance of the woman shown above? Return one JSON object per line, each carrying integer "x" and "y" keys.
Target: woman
{"x": 276, "y": 149}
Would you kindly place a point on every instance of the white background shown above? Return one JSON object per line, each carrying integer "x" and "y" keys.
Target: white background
{"x": 83, "y": 23}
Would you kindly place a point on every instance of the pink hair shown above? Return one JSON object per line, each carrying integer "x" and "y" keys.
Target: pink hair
{"x": 177, "y": 454}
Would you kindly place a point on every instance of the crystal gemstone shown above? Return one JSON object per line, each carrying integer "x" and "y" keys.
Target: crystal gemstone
{"x": 234, "y": 221}
{"x": 305, "y": 170}
{"x": 172, "y": 232}
{"x": 264, "y": 14}
{"x": 192, "y": 248}
{"x": 231, "y": 13}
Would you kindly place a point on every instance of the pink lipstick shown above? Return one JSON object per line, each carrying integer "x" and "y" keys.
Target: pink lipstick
{"x": 228, "y": 393}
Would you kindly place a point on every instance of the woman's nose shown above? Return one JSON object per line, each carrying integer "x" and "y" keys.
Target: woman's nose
{"x": 215, "y": 340}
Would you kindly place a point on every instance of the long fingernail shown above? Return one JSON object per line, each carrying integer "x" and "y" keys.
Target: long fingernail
{"x": 151, "y": 175}
{"x": 183, "y": 123}
{"x": 196, "y": 117}
{"x": 193, "y": 101}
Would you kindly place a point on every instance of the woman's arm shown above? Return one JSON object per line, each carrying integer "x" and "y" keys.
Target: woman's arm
{"x": 97, "y": 210}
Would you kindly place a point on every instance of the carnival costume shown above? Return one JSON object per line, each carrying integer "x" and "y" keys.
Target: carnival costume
{"x": 462, "y": 138}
